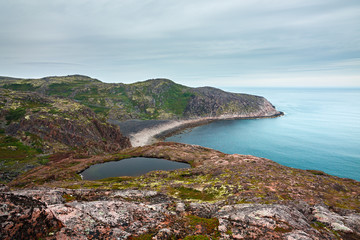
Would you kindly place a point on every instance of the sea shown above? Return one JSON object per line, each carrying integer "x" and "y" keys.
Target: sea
{"x": 320, "y": 130}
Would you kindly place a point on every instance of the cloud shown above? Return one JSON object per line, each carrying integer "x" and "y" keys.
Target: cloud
{"x": 131, "y": 40}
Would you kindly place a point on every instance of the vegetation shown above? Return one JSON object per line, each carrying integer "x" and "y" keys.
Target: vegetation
{"x": 15, "y": 157}
{"x": 20, "y": 87}
{"x": 197, "y": 237}
{"x": 151, "y": 99}
{"x": 210, "y": 226}
{"x": 15, "y": 114}
{"x": 190, "y": 193}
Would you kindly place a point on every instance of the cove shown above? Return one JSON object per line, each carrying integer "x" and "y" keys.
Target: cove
{"x": 130, "y": 167}
{"x": 320, "y": 130}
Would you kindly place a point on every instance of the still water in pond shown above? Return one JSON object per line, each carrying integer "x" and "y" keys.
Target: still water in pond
{"x": 130, "y": 167}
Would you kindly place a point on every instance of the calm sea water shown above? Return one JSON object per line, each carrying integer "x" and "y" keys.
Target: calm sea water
{"x": 130, "y": 167}
{"x": 321, "y": 130}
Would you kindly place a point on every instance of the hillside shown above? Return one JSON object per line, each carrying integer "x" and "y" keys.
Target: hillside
{"x": 33, "y": 126}
{"x": 152, "y": 99}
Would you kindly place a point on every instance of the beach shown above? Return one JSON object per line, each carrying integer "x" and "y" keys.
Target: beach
{"x": 145, "y": 132}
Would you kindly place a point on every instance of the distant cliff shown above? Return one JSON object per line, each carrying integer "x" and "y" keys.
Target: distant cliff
{"x": 151, "y": 99}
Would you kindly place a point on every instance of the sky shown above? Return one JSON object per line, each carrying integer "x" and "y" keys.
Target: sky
{"x": 261, "y": 43}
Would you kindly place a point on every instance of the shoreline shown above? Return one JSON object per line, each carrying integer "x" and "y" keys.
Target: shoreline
{"x": 148, "y": 136}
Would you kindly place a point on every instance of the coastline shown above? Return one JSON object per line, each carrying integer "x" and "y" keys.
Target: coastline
{"x": 159, "y": 132}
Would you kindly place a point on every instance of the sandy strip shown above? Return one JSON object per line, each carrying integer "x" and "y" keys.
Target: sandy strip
{"x": 150, "y": 135}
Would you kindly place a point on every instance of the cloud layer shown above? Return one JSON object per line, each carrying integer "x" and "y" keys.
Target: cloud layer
{"x": 204, "y": 42}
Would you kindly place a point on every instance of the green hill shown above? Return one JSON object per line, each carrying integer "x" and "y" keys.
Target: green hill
{"x": 151, "y": 99}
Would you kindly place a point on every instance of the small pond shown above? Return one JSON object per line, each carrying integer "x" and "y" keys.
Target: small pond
{"x": 130, "y": 167}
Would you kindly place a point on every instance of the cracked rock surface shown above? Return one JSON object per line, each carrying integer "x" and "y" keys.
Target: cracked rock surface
{"x": 127, "y": 214}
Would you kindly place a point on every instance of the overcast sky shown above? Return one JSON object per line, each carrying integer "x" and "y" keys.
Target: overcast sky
{"x": 193, "y": 42}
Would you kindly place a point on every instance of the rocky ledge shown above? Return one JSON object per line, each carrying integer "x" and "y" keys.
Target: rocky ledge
{"x": 136, "y": 214}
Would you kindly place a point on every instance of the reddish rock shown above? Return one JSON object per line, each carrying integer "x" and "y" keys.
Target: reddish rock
{"x": 22, "y": 217}
{"x": 125, "y": 214}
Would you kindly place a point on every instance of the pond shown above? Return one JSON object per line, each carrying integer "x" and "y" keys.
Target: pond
{"x": 130, "y": 167}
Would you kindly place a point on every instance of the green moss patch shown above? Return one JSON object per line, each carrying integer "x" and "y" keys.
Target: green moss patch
{"x": 20, "y": 87}
{"x": 207, "y": 226}
{"x": 197, "y": 237}
{"x": 15, "y": 114}
{"x": 190, "y": 193}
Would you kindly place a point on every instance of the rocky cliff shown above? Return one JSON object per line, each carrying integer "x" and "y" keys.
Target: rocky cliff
{"x": 151, "y": 99}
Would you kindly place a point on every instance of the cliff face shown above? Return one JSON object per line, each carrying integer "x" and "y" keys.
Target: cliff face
{"x": 151, "y": 99}
{"x": 207, "y": 101}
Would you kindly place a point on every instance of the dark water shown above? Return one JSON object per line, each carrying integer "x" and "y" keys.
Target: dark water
{"x": 321, "y": 130}
{"x": 130, "y": 167}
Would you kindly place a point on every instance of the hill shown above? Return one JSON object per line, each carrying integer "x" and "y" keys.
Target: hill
{"x": 32, "y": 126}
{"x": 152, "y": 99}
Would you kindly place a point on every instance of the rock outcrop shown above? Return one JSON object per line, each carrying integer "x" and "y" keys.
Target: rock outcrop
{"x": 23, "y": 217}
{"x": 128, "y": 214}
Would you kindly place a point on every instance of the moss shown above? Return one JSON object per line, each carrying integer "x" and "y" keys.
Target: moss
{"x": 54, "y": 111}
{"x": 197, "y": 237}
{"x": 116, "y": 179}
{"x": 68, "y": 197}
{"x": 117, "y": 156}
{"x": 316, "y": 172}
{"x": 99, "y": 109}
{"x": 146, "y": 236}
{"x": 208, "y": 225}
{"x": 92, "y": 185}
{"x": 229, "y": 232}
{"x": 190, "y": 193}
{"x": 12, "y": 149}
{"x": 73, "y": 186}
{"x": 15, "y": 114}
{"x": 282, "y": 230}
{"x": 20, "y": 87}
{"x": 318, "y": 225}
{"x": 43, "y": 160}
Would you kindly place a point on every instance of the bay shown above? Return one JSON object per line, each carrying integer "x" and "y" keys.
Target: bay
{"x": 320, "y": 130}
